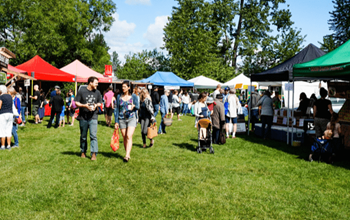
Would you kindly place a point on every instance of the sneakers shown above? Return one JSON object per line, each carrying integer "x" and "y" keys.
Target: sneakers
{"x": 14, "y": 146}
{"x": 8, "y": 147}
{"x": 2, "y": 148}
{"x": 21, "y": 125}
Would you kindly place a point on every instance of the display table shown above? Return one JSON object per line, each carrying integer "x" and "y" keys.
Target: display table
{"x": 279, "y": 133}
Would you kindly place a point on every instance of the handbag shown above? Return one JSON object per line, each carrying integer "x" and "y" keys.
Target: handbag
{"x": 18, "y": 120}
{"x": 74, "y": 105}
{"x": 152, "y": 131}
{"x": 222, "y": 138}
{"x": 115, "y": 140}
{"x": 167, "y": 120}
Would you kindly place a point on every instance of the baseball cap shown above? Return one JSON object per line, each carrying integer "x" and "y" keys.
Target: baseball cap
{"x": 57, "y": 87}
{"x": 227, "y": 89}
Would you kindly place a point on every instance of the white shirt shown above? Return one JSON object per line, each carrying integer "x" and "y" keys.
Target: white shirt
{"x": 232, "y": 105}
{"x": 186, "y": 99}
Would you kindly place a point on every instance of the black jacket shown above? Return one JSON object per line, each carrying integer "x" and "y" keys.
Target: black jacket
{"x": 56, "y": 103}
{"x": 155, "y": 98}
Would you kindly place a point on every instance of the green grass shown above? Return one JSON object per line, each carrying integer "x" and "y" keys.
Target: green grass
{"x": 247, "y": 178}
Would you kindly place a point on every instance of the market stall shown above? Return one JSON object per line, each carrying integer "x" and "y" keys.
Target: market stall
{"x": 202, "y": 82}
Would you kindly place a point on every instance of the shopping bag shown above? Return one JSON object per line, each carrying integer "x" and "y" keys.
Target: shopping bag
{"x": 115, "y": 140}
{"x": 167, "y": 120}
{"x": 76, "y": 113}
{"x": 152, "y": 131}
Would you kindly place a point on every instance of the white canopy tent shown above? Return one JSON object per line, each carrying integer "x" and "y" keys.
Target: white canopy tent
{"x": 240, "y": 79}
{"x": 202, "y": 82}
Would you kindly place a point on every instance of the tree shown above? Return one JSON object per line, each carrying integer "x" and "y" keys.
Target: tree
{"x": 220, "y": 31}
{"x": 115, "y": 63}
{"x": 58, "y": 31}
{"x": 339, "y": 24}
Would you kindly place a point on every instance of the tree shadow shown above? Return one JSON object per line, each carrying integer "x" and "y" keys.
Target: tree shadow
{"x": 302, "y": 152}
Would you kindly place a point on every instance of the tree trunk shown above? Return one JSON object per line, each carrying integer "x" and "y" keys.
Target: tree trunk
{"x": 237, "y": 35}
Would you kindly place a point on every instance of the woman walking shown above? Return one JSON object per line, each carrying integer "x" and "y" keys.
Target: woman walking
{"x": 126, "y": 107}
{"x": 41, "y": 110}
{"x": 146, "y": 115}
{"x": 6, "y": 118}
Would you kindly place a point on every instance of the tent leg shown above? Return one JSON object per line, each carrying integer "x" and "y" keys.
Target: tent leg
{"x": 288, "y": 114}
{"x": 292, "y": 113}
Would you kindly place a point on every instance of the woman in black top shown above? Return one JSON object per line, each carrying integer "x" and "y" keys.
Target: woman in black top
{"x": 146, "y": 115}
{"x": 322, "y": 112}
{"x": 304, "y": 103}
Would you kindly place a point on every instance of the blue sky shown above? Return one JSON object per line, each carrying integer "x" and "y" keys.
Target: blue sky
{"x": 139, "y": 24}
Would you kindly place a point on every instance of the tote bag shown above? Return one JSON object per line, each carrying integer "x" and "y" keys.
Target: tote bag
{"x": 152, "y": 131}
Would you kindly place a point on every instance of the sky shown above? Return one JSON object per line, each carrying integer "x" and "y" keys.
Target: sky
{"x": 139, "y": 24}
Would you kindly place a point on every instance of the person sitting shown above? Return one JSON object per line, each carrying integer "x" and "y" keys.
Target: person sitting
{"x": 325, "y": 141}
{"x": 304, "y": 103}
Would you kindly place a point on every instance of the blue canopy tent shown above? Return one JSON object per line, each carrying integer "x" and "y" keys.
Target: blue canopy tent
{"x": 167, "y": 79}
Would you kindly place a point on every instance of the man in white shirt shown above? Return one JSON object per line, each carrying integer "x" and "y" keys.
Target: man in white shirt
{"x": 217, "y": 91}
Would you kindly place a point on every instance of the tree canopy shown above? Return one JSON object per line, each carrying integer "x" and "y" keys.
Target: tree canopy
{"x": 58, "y": 31}
{"x": 208, "y": 37}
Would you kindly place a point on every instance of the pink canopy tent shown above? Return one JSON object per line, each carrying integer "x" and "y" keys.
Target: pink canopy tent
{"x": 15, "y": 69}
{"x": 83, "y": 72}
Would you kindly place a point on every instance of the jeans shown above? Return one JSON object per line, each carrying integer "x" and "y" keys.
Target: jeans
{"x": 185, "y": 109}
{"x": 254, "y": 117}
{"x": 162, "y": 125}
{"x": 216, "y": 134}
{"x": 14, "y": 133}
{"x": 266, "y": 120}
{"x": 23, "y": 110}
{"x": 86, "y": 125}
{"x": 156, "y": 109}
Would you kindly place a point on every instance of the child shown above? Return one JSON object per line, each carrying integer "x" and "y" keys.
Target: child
{"x": 325, "y": 139}
{"x": 334, "y": 126}
{"x": 62, "y": 116}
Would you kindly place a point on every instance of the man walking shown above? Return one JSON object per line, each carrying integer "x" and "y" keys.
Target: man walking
{"x": 164, "y": 109}
{"x": 36, "y": 103}
{"x": 155, "y": 100}
{"x": 56, "y": 103}
{"x": 218, "y": 117}
{"x": 88, "y": 100}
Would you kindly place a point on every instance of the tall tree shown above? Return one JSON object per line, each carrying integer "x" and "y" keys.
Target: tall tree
{"x": 116, "y": 63}
{"x": 59, "y": 31}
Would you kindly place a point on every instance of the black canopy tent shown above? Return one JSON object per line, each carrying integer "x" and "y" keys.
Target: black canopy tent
{"x": 284, "y": 71}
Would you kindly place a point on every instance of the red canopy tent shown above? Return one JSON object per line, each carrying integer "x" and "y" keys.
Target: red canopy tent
{"x": 45, "y": 71}
{"x": 83, "y": 72}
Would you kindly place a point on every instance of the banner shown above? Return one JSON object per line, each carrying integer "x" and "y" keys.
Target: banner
{"x": 108, "y": 70}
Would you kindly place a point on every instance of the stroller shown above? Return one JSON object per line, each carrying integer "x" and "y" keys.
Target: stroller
{"x": 204, "y": 136}
{"x": 322, "y": 147}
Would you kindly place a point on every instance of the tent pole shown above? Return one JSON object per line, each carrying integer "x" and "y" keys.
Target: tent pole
{"x": 288, "y": 112}
{"x": 293, "y": 114}
{"x": 250, "y": 106}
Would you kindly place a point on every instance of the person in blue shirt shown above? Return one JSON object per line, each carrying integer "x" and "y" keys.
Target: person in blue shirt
{"x": 164, "y": 110}
{"x": 62, "y": 116}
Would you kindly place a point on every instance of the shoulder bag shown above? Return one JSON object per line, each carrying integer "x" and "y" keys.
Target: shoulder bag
{"x": 152, "y": 131}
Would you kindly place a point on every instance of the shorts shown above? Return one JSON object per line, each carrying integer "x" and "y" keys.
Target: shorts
{"x": 35, "y": 110}
{"x": 61, "y": 118}
{"x": 176, "y": 109}
{"x": 125, "y": 123}
{"x": 232, "y": 120}
{"x": 170, "y": 107}
{"x": 6, "y": 123}
{"x": 109, "y": 111}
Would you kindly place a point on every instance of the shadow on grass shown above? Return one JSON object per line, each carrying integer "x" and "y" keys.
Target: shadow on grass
{"x": 302, "y": 152}
{"x": 73, "y": 153}
{"x": 111, "y": 155}
{"x": 188, "y": 146}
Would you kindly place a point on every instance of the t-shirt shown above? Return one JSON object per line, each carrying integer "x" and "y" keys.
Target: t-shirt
{"x": 86, "y": 96}
{"x": 170, "y": 98}
{"x": 37, "y": 101}
{"x": 215, "y": 93}
{"x": 108, "y": 99}
{"x": 70, "y": 100}
{"x": 322, "y": 108}
{"x": 175, "y": 103}
{"x": 6, "y": 104}
{"x": 336, "y": 129}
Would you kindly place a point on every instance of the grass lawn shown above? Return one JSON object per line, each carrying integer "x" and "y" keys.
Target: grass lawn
{"x": 247, "y": 178}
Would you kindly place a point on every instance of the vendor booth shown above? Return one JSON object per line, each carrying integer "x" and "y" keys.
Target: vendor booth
{"x": 167, "y": 79}
{"x": 240, "y": 82}
{"x": 283, "y": 73}
{"x": 333, "y": 66}
{"x": 202, "y": 82}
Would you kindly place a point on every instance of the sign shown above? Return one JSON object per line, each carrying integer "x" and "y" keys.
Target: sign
{"x": 241, "y": 127}
{"x": 27, "y": 82}
{"x": 172, "y": 87}
{"x": 251, "y": 88}
{"x": 4, "y": 61}
{"x": 108, "y": 70}
{"x": 301, "y": 122}
{"x": 288, "y": 86}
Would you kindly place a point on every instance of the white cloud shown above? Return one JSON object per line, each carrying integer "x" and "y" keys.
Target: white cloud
{"x": 155, "y": 32}
{"x": 138, "y": 2}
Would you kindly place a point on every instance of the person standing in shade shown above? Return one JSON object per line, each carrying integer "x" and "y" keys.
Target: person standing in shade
{"x": 109, "y": 106}
{"x": 218, "y": 117}
{"x": 127, "y": 105}
{"x": 88, "y": 100}
{"x": 253, "y": 103}
{"x": 23, "y": 106}
{"x": 164, "y": 110}
{"x": 322, "y": 112}
{"x": 155, "y": 100}
{"x": 56, "y": 103}
{"x": 146, "y": 115}
{"x": 266, "y": 113}
{"x": 276, "y": 100}
{"x": 36, "y": 103}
